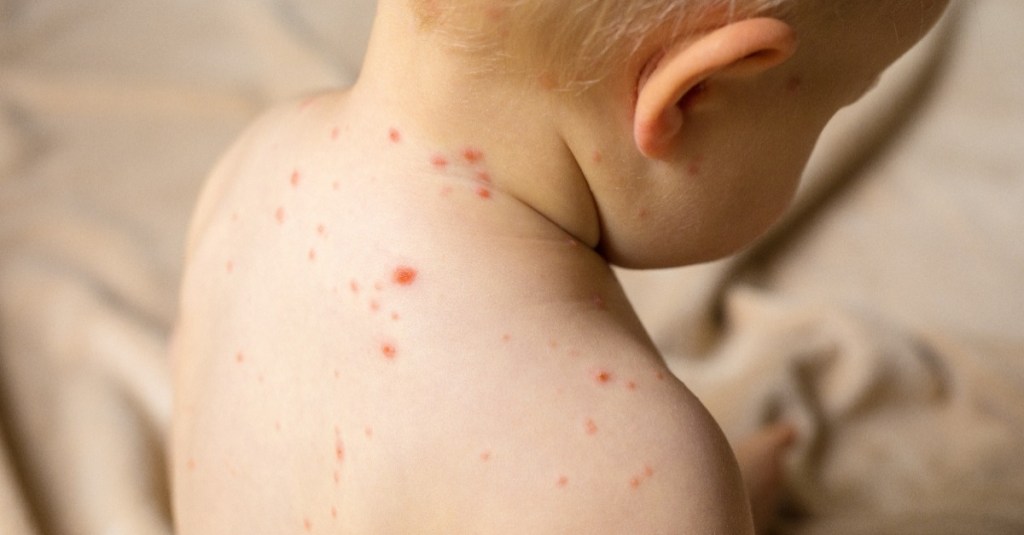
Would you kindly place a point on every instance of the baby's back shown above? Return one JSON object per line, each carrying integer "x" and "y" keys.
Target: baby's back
{"x": 373, "y": 339}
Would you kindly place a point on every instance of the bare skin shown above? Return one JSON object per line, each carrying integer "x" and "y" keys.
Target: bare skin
{"x": 399, "y": 318}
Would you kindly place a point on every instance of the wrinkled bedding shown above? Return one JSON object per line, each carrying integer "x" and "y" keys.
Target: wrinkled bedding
{"x": 884, "y": 316}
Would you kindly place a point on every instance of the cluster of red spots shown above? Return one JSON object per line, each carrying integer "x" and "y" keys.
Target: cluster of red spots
{"x": 562, "y": 482}
{"x": 638, "y": 479}
{"x": 394, "y": 135}
{"x": 388, "y": 350}
{"x": 404, "y": 275}
{"x": 439, "y": 161}
{"x": 590, "y": 427}
{"x": 485, "y": 455}
{"x": 295, "y": 178}
{"x": 279, "y": 215}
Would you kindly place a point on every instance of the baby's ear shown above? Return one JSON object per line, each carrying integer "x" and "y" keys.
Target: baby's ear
{"x": 743, "y": 48}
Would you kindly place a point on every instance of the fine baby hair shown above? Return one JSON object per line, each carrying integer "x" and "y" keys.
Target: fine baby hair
{"x": 570, "y": 44}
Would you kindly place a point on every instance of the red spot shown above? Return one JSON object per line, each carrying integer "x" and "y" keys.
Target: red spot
{"x": 483, "y": 176}
{"x": 660, "y": 376}
{"x": 599, "y": 302}
{"x": 234, "y": 217}
{"x": 506, "y": 338}
{"x": 793, "y": 84}
{"x": 631, "y": 385}
{"x": 598, "y": 157}
{"x": 472, "y": 155}
{"x": 572, "y": 242}
{"x": 336, "y": 476}
{"x": 439, "y": 161}
{"x": 190, "y": 464}
{"x": 590, "y": 427}
{"x": 483, "y": 193}
{"x": 354, "y": 286}
{"x": 553, "y": 344}
{"x": 374, "y": 305}
{"x": 695, "y": 165}
{"x": 335, "y": 185}
{"x": 404, "y": 276}
{"x": 334, "y": 512}
{"x": 388, "y": 350}
{"x": 446, "y": 191}
{"x": 229, "y": 266}
{"x": 307, "y": 524}
{"x": 643, "y": 214}
{"x": 337, "y": 374}
{"x": 603, "y": 376}
{"x": 307, "y": 101}
{"x": 239, "y": 357}
{"x": 339, "y": 446}
{"x": 648, "y": 471}
{"x": 368, "y": 431}
{"x": 296, "y": 178}
{"x": 312, "y": 255}
{"x": 277, "y": 426}
{"x": 562, "y": 482}
{"x": 395, "y": 316}
{"x": 279, "y": 215}
{"x": 394, "y": 135}
{"x": 334, "y": 133}
{"x": 634, "y": 482}
{"x": 485, "y": 456}
{"x": 378, "y": 286}
{"x": 321, "y": 230}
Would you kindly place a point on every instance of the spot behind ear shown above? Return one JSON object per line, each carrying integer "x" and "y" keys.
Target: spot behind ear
{"x": 743, "y": 48}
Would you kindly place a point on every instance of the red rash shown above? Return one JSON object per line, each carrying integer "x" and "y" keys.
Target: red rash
{"x": 404, "y": 276}
{"x": 472, "y": 155}
{"x": 603, "y": 377}
{"x": 439, "y": 161}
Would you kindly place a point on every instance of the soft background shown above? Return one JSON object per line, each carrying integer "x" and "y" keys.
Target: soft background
{"x": 885, "y": 316}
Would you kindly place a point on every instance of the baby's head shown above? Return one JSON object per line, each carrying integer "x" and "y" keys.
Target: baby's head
{"x": 690, "y": 120}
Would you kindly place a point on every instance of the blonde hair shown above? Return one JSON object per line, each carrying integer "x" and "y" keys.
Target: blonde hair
{"x": 571, "y": 43}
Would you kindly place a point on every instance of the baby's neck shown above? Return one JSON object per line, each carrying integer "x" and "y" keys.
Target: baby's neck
{"x": 432, "y": 96}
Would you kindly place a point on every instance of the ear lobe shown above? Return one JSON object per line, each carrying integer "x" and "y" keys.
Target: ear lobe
{"x": 743, "y": 48}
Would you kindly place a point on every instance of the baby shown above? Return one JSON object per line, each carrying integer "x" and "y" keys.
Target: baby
{"x": 398, "y": 314}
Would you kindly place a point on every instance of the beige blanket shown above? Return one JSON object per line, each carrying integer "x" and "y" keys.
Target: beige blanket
{"x": 885, "y": 316}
